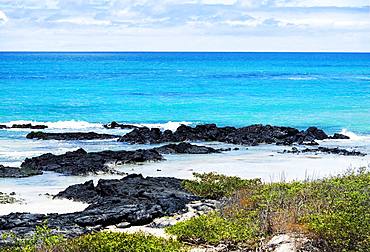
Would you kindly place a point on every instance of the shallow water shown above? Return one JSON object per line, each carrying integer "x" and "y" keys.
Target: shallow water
{"x": 262, "y": 161}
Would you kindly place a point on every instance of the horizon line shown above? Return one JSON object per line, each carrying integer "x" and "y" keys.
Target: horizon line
{"x": 149, "y": 51}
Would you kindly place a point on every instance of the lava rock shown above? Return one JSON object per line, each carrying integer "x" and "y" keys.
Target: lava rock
{"x": 250, "y": 135}
{"x": 185, "y": 148}
{"x": 15, "y": 172}
{"x": 327, "y": 150}
{"x": 28, "y": 126}
{"x": 80, "y": 162}
{"x": 114, "y": 125}
{"x": 336, "y": 150}
{"x": 69, "y": 136}
{"x": 339, "y": 136}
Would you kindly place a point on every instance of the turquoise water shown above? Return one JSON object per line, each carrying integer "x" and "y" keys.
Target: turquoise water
{"x": 329, "y": 90}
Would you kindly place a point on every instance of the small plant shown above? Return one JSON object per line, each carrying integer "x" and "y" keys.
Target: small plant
{"x": 214, "y": 228}
{"x": 216, "y": 186}
{"x": 42, "y": 240}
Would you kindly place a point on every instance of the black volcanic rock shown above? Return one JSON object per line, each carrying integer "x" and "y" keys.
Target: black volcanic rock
{"x": 250, "y": 135}
{"x": 114, "y": 125}
{"x": 15, "y": 172}
{"x": 185, "y": 148}
{"x": 132, "y": 199}
{"x": 28, "y": 126}
{"x": 69, "y": 136}
{"x": 326, "y": 150}
{"x": 80, "y": 162}
{"x": 339, "y": 136}
{"x": 23, "y": 126}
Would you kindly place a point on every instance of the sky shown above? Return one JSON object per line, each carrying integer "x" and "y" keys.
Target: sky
{"x": 185, "y": 25}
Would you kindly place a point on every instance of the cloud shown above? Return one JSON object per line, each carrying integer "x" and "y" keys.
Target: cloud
{"x": 3, "y": 17}
{"x": 79, "y": 20}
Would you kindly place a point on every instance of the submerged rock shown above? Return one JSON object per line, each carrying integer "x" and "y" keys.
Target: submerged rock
{"x": 23, "y": 126}
{"x": 327, "y": 150}
{"x": 114, "y": 125}
{"x": 69, "y": 136}
{"x": 134, "y": 199}
{"x": 15, "y": 172}
{"x": 80, "y": 162}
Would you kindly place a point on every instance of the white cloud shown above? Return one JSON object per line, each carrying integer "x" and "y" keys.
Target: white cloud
{"x": 80, "y": 20}
{"x": 83, "y": 21}
{"x": 3, "y": 17}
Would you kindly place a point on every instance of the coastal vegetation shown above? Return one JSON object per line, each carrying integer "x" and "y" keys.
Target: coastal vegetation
{"x": 334, "y": 213}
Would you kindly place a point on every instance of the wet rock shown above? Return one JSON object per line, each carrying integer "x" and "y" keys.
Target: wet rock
{"x": 185, "y": 148}
{"x": 250, "y": 135}
{"x": 28, "y": 126}
{"x": 80, "y": 162}
{"x": 326, "y": 150}
{"x": 69, "y": 136}
{"x": 15, "y": 172}
{"x": 23, "y": 126}
{"x": 310, "y": 134}
{"x": 336, "y": 150}
{"x": 339, "y": 136}
{"x": 114, "y": 125}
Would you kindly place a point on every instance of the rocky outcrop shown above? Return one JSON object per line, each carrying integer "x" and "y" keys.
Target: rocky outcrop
{"x": 23, "y": 126}
{"x": 15, "y": 172}
{"x": 134, "y": 199}
{"x": 115, "y": 125}
{"x": 69, "y": 136}
{"x": 250, "y": 135}
{"x": 80, "y": 162}
{"x": 326, "y": 150}
{"x": 186, "y": 148}
{"x": 339, "y": 136}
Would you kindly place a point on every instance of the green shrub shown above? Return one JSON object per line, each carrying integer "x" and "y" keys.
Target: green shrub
{"x": 335, "y": 209}
{"x": 43, "y": 241}
{"x": 216, "y": 186}
{"x": 114, "y": 241}
{"x": 344, "y": 218}
{"x": 214, "y": 228}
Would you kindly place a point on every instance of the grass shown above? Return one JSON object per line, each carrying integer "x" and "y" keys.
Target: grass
{"x": 336, "y": 210}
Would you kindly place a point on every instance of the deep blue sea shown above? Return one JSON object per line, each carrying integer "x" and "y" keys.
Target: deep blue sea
{"x": 329, "y": 90}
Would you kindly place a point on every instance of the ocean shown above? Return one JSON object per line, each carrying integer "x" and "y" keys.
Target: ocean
{"x": 81, "y": 91}
{"x": 328, "y": 90}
